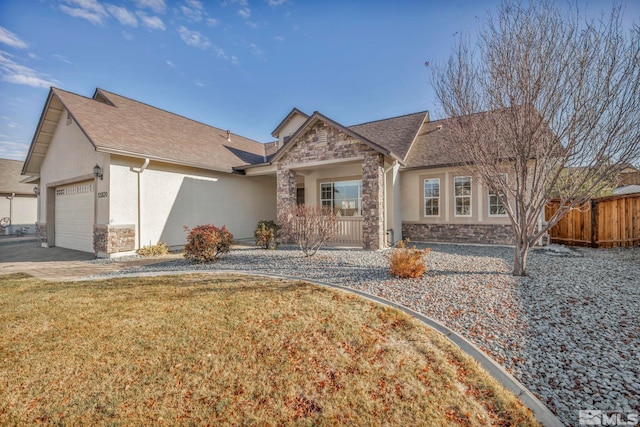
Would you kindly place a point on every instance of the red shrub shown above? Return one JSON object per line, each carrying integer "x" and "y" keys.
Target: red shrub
{"x": 207, "y": 243}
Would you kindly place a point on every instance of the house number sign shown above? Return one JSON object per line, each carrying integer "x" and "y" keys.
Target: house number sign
{"x": 102, "y": 194}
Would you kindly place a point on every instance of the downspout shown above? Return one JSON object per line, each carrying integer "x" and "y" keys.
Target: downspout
{"x": 139, "y": 225}
{"x": 386, "y": 202}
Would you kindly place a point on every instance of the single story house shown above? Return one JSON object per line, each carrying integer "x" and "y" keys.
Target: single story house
{"x": 18, "y": 202}
{"x": 116, "y": 174}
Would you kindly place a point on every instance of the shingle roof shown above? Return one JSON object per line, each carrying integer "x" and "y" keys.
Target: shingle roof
{"x": 396, "y": 133}
{"x": 431, "y": 147}
{"x": 133, "y": 128}
{"x": 10, "y": 178}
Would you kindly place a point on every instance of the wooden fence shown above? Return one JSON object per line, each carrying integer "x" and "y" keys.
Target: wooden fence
{"x": 605, "y": 222}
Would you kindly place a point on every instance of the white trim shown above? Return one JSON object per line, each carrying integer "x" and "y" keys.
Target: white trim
{"x": 489, "y": 194}
{"x": 424, "y": 199}
{"x": 470, "y": 196}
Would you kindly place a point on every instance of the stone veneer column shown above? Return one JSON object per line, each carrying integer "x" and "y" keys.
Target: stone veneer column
{"x": 286, "y": 189}
{"x": 373, "y": 201}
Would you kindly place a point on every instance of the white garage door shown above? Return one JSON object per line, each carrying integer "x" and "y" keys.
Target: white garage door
{"x": 74, "y": 216}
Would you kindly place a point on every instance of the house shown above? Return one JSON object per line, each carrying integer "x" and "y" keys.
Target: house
{"x": 116, "y": 174}
{"x": 18, "y": 203}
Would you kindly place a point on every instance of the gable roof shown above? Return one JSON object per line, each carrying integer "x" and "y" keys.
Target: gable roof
{"x": 10, "y": 178}
{"x": 317, "y": 116}
{"x": 292, "y": 113}
{"x": 119, "y": 125}
{"x": 627, "y": 189}
{"x": 396, "y": 133}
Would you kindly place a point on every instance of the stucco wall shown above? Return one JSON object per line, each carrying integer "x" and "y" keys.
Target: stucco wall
{"x": 70, "y": 158}
{"x": 290, "y": 128}
{"x": 412, "y": 190}
{"x": 23, "y": 211}
{"x": 172, "y": 197}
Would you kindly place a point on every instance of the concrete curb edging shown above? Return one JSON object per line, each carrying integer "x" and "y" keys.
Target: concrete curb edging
{"x": 541, "y": 412}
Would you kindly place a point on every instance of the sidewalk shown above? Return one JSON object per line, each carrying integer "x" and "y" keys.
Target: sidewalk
{"x": 24, "y": 255}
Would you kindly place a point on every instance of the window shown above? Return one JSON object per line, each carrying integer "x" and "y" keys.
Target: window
{"x": 344, "y": 197}
{"x": 432, "y": 197}
{"x": 462, "y": 195}
{"x": 496, "y": 207}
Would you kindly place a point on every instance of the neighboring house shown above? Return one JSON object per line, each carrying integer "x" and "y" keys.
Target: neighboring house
{"x": 18, "y": 202}
{"x": 629, "y": 176}
{"x": 627, "y": 189}
{"x": 158, "y": 172}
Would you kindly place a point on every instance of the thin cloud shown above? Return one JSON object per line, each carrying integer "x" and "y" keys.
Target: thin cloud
{"x": 192, "y": 14}
{"x": 158, "y": 6}
{"x": 245, "y": 12}
{"x": 193, "y": 38}
{"x": 170, "y": 64}
{"x": 152, "y": 22}
{"x": 10, "y": 39}
{"x": 127, "y": 35}
{"x": 122, "y": 15}
{"x": 256, "y": 51}
{"x": 278, "y": 38}
{"x": 93, "y": 17}
{"x": 195, "y": 4}
{"x": 276, "y": 2}
{"x": 61, "y": 58}
{"x": 16, "y": 73}
{"x": 252, "y": 25}
{"x": 13, "y": 150}
{"x": 212, "y": 22}
{"x": 198, "y": 83}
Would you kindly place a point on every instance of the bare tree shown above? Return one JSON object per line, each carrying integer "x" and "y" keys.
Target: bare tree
{"x": 548, "y": 97}
{"x": 308, "y": 226}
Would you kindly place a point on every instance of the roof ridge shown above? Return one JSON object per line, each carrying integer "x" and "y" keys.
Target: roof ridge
{"x": 174, "y": 114}
{"x": 389, "y": 118}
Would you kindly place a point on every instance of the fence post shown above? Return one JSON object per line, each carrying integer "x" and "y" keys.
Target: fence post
{"x": 594, "y": 224}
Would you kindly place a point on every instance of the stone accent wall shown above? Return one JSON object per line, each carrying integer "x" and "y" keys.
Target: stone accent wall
{"x": 41, "y": 232}
{"x": 110, "y": 239}
{"x": 286, "y": 189}
{"x": 373, "y": 205}
{"x": 495, "y": 234}
{"x": 323, "y": 142}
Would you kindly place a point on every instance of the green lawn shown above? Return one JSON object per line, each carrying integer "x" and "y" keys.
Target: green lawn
{"x": 225, "y": 349}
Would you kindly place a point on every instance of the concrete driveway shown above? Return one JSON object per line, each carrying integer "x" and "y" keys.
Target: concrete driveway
{"x": 25, "y": 255}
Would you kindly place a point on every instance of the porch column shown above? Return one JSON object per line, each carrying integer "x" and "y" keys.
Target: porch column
{"x": 286, "y": 196}
{"x": 373, "y": 232}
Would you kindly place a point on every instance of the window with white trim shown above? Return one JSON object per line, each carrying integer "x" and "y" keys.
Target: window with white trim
{"x": 432, "y": 197}
{"x": 495, "y": 205}
{"x": 462, "y": 195}
{"x": 344, "y": 197}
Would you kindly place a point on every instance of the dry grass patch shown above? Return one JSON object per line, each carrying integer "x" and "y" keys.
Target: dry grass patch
{"x": 224, "y": 349}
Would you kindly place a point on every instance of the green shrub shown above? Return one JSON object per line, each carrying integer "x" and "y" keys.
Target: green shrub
{"x": 160, "y": 248}
{"x": 207, "y": 243}
{"x": 407, "y": 262}
{"x": 266, "y": 234}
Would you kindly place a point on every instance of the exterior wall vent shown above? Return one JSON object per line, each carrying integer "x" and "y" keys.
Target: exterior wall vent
{"x": 69, "y": 119}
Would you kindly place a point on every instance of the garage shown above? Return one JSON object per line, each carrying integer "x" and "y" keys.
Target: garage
{"x": 74, "y": 216}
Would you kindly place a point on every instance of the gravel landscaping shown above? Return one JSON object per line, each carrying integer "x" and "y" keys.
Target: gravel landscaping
{"x": 570, "y": 332}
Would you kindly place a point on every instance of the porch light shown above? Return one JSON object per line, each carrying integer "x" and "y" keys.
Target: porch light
{"x": 97, "y": 171}
{"x": 36, "y": 190}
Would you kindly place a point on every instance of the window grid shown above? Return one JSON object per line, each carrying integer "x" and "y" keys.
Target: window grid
{"x": 462, "y": 195}
{"x": 432, "y": 197}
{"x": 344, "y": 197}
{"x": 496, "y": 207}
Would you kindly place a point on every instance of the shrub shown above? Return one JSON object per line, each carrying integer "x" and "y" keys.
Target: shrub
{"x": 266, "y": 234}
{"x": 160, "y": 248}
{"x": 207, "y": 243}
{"x": 407, "y": 262}
{"x": 308, "y": 226}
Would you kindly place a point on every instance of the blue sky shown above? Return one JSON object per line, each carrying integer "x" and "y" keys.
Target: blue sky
{"x": 235, "y": 64}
